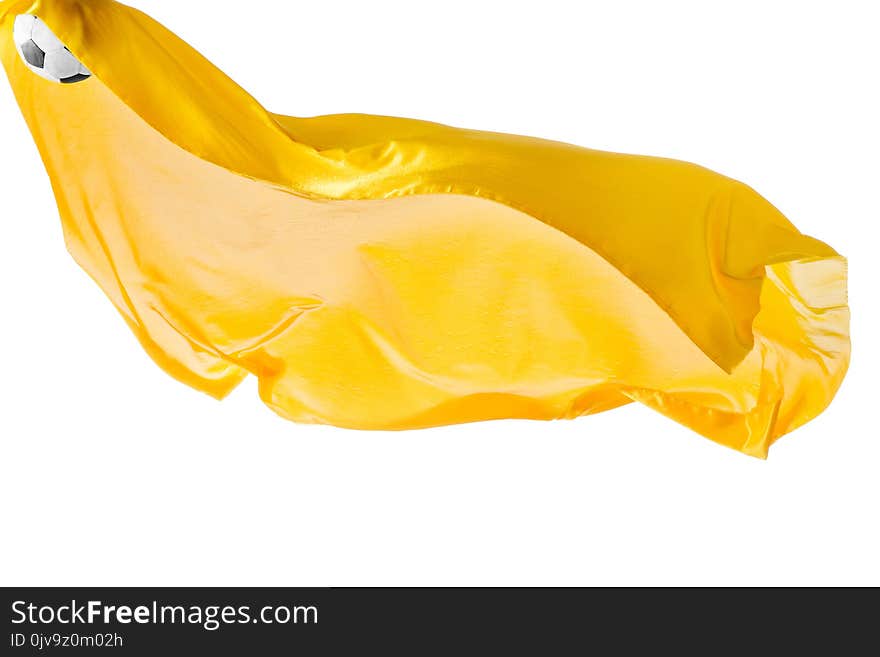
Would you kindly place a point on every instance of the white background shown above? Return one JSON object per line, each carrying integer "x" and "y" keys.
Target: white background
{"x": 111, "y": 473}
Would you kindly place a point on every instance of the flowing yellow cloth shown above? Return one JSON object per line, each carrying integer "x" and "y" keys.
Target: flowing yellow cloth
{"x": 384, "y": 273}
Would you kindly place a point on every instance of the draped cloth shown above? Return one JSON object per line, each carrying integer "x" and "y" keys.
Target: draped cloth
{"x": 385, "y": 273}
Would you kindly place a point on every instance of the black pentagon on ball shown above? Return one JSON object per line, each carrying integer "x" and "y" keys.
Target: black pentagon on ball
{"x": 79, "y": 77}
{"x": 32, "y": 54}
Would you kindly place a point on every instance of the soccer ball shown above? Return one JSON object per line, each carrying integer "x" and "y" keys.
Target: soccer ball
{"x": 44, "y": 54}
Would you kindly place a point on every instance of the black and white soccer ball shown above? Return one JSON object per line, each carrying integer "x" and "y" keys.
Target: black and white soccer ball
{"x": 44, "y": 53}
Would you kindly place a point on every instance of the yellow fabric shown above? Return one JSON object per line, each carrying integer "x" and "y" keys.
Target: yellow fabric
{"x": 384, "y": 273}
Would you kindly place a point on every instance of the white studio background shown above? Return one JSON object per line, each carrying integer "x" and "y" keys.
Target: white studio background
{"x": 112, "y": 473}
